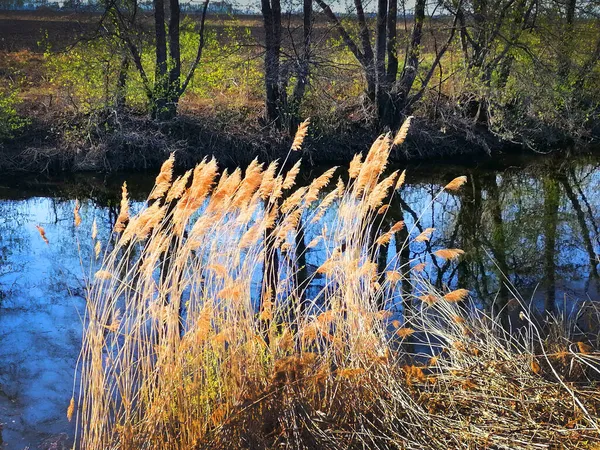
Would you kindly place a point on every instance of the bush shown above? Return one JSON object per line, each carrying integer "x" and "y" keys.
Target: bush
{"x": 10, "y": 121}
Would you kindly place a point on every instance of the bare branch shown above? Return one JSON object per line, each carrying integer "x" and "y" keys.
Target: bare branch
{"x": 190, "y": 74}
{"x": 332, "y": 18}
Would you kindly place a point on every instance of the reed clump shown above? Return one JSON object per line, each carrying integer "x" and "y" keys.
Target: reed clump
{"x": 201, "y": 330}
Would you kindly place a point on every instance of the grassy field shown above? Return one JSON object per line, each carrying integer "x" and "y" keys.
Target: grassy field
{"x": 29, "y": 40}
{"x": 26, "y": 36}
{"x": 56, "y": 73}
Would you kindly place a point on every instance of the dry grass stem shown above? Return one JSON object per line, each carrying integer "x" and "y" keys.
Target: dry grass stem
{"x": 210, "y": 324}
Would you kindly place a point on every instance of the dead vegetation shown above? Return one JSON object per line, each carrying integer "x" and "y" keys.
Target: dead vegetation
{"x": 199, "y": 332}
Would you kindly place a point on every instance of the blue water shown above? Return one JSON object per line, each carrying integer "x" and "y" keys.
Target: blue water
{"x": 42, "y": 286}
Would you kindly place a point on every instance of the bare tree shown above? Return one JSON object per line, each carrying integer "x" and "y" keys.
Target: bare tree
{"x": 302, "y": 63}
{"x": 283, "y": 63}
{"x": 391, "y": 90}
{"x": 123, "y": 19}
{"x": 271, "y": 12}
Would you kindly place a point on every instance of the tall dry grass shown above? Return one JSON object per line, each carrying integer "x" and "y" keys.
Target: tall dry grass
{"x": 199, "y": 332}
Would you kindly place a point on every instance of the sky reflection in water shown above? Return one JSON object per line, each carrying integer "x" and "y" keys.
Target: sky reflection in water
{"x": 538, "y": 224}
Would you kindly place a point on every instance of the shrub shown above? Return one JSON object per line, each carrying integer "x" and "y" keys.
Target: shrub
{"x": 11, "y": 123}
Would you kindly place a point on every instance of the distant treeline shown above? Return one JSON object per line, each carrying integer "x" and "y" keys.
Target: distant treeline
{"x": 96, "y": 6}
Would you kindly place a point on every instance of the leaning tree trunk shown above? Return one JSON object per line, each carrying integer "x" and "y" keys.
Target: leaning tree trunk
{"x": 368, "y": 57}
{"x": 398, "y": 101}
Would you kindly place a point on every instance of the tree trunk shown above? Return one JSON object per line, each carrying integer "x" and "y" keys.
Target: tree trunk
{"x": 161, "y": 80}
{"x": 388, "y": 115}
{"x": 271, "y": 11}
{"x": 412, "y": 63}
{"x": 166, "y": 88}
{"x": 564, "y": 66}
{"x": 302, "y": 279}
{"x": 368, "y": 62}
{"x": 303, "y": 71}
{"x": 481, "y": 25}
{"x": 383, "y": 87}
{"x": 399, "y": 101}
{"x": 175, "y": 53}
{"x": 122, "y": 84}
{"x": 392, "y": 41}
{"x": 270, "y": 273}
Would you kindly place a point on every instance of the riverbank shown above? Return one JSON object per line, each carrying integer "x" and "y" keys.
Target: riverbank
{"x": 114, "y": 142}
{"x": 59, "y": 110}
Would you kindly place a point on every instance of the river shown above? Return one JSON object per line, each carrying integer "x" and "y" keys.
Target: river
{"x": 529, "y": 227}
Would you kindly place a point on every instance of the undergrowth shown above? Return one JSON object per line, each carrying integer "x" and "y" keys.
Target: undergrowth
{"x": 200, "y": 331}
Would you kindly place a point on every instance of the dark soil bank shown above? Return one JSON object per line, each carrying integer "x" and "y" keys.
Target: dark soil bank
{"x": 118, "y": 142}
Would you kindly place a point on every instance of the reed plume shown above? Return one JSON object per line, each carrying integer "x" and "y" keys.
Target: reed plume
{"x": 163, "y": 179}
{"x": 76, "y": 215}
{"x": 301, "y": 133}
{"x": 209, "y": 324}
{"x": 449, "y": 253}
{"x": 425, "y": 235}
{"x": 400, "y": 181}
{"x": 42, "y": 233}
{"x": 123, "y": 218}
{"x": 71, "y": 409}
{"x": 457, "y": 295}
{"x": 456, "y": 183}
{"x": 403, "y": 132}
{"x": 290, "y": 177}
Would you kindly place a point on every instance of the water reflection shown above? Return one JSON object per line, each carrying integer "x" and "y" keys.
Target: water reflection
{"x": 530, "y": 230}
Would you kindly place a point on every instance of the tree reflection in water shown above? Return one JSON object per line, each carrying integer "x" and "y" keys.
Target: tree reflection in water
{"x": 529, "y": 230}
